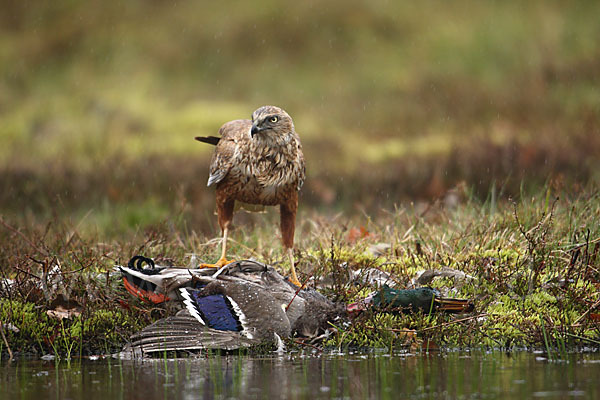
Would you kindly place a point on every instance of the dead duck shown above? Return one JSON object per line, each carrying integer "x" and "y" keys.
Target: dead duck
{"x": 239, "y": 305}
{"x": 425, "y": 299}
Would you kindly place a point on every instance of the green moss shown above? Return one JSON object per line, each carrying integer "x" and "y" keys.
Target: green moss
{"x": 34, "y": 326}
{"x": 98, "y": 331}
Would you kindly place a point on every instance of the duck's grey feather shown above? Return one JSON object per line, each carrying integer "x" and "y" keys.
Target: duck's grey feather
{"x": 183, "y": 332}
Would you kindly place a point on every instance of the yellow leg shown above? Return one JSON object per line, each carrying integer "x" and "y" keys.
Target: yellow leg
{"x": 223, "y": 260}
{"x": 294, "y": 278}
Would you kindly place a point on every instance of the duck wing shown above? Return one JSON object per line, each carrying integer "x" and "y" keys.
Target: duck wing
{"x": 237, "y": 304}
{"x": 184, "y": 332}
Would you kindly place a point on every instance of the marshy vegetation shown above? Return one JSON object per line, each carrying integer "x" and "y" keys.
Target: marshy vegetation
{"x": 531, "y": 270}
{"x": 437, "y": 135}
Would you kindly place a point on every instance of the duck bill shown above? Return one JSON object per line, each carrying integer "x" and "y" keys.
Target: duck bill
{"x": 357, "y": 308}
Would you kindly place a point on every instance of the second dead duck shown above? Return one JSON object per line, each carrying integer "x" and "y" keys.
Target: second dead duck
{"x": 425, "y": 299}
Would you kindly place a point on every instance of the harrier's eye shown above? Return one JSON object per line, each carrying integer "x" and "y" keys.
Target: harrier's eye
{"x": 273, "y": 119}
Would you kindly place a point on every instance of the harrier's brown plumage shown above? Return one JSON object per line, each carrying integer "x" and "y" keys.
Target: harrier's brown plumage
{"x": 258, "y": 161}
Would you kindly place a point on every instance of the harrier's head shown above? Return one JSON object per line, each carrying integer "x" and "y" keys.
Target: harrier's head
{"x": 271, "y": 121}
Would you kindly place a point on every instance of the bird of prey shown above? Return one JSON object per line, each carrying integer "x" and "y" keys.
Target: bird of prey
{"x": 259, "y": 162}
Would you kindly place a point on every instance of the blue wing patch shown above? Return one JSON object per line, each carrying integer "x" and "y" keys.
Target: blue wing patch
{"x": 214, "y": 311}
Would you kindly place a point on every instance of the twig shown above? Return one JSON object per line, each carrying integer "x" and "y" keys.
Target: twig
{"x": 388, "y": 263}
{"x": 79, "y": 269}
{"x": 587, "y": 312}
{"x": 301, "y": 287}
{"x": 454, "y": 322}
{"x": 74, "y": 271}
{"x": 10, "y": 353}
{"x": 26, "y": 272}
{"x": 309, "y": 345}
{"x": 390, "y": 329}
{"x": 10, "y": 228}
{"x": 575, "y": 246}
{"x": 582, "y": 338}
{"x": 297, "y": 291}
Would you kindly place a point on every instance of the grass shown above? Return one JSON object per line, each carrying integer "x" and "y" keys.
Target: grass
{"x": 533, "y": 262}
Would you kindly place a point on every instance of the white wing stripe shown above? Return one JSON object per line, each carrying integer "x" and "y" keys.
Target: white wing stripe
{"x": 190, "y": 306}
{"x": 242, "y": 317}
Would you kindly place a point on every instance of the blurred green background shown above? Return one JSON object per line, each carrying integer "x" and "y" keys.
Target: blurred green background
{"x": 394, "y": 101}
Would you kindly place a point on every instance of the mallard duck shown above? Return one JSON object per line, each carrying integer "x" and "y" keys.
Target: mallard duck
{"x": 239, "y": 305}
{"x": 425, "y": 299}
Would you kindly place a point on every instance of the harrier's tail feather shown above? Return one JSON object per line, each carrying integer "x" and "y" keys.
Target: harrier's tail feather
{"x": 208, "y": 139}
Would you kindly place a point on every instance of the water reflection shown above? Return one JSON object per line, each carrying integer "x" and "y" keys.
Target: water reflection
{"x": 453, "y": 375}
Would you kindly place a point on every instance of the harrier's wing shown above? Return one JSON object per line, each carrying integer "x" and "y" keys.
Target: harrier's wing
{"x": 232, "y": 134}
{"x": 302, "y": 164}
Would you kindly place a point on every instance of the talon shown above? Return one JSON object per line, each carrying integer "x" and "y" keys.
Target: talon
{"x": 207, "y": 266}
{"x": 295, "y": 282}
{"x": 222, "y": 262}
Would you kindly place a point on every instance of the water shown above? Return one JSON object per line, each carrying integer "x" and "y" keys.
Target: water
{"x": 450, "y": 375}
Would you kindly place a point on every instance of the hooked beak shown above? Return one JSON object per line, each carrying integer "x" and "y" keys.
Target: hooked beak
{"x": 255, "y": 129}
